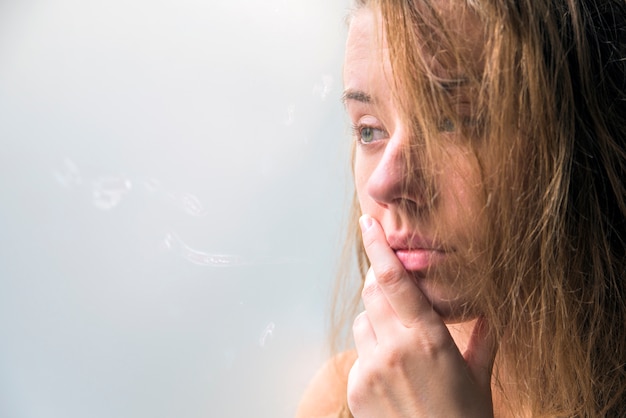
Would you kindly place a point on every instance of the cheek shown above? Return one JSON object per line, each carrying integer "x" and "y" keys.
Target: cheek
{"x": 361, "y": 176}
{"x": 463, "y": 194}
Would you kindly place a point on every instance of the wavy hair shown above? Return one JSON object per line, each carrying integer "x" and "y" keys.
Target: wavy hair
{"x": 549, "y": 131}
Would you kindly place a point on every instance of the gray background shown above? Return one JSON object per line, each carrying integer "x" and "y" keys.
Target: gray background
{"x": 173, "y": 177}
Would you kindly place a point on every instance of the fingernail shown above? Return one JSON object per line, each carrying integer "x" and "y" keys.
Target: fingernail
{"x": 366, "y": 222}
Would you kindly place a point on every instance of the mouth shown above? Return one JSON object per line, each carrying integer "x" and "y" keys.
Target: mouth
{"x": 420, "y": 259}
{"x": 417, "y": 254}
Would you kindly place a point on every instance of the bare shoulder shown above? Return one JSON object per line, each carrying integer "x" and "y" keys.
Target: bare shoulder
{"x": 326, "y": 395}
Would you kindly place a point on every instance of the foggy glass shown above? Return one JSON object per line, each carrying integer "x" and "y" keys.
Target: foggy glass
{"x": 174, "y": 175}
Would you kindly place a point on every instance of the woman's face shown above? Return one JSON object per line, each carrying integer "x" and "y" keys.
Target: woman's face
{"x": 433, "y": 236}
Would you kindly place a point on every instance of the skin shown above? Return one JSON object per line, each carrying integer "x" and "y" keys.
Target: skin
{"x": 410, "y": 363}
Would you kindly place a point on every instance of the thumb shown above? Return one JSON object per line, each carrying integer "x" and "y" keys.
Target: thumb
{"x": 480, "y": 353}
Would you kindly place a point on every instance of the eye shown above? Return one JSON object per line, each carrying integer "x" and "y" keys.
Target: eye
{"x": 367, "y": 134}
{"x": 447, "y": 125}
{"x": 450, "y": 125}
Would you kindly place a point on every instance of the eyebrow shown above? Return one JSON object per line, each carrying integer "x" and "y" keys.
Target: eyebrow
{"x": 357, "y": 95}
{"x": 362, "y": 97}
{"x": 455, "y": 83}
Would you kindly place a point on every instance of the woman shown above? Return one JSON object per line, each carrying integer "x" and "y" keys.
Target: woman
{"x": 490, "y": 167}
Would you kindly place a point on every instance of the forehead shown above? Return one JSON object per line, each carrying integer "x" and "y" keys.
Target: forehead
{"x": 450, "y": 20}
{"x": 366, "y": 59}
{"x": 364, "y": 27}
{"x": 361, "y": 38}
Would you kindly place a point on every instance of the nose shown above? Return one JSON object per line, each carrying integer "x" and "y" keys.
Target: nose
{"x": 398, "y": 175}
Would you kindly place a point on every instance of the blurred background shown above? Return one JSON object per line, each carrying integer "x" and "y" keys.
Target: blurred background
{"x": 174, "y": 176}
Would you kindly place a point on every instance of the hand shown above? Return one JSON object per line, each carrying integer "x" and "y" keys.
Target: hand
{"x": 408, "y": 364}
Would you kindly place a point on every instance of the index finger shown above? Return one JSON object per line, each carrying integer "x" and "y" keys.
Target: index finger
{"x": 406, "y": 299}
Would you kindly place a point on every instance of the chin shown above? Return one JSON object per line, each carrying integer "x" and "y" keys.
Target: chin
{"x": 449, "y": 302}
{"x": 455, "y": 314}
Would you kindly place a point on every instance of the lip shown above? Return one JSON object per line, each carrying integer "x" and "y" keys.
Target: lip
{"x": 417, "y": 253}
{"x": 419, "y": 260}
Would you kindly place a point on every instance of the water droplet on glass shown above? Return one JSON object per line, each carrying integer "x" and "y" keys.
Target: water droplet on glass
{"x": 206, "y": 259}
{"x": 267, "y": 335}
{"x": 192, "y": 205}
{"x": 107, "y": 192}
{"x": 69, "y": 175}
{"x": 168, "y": 242}
{"x": 152, "y": 185}
{"x": 291, "y": 110}
{"x": 323, "y": 88}
{"x": 172, "y": 242}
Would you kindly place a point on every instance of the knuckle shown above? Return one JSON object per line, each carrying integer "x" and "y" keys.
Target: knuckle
{"x": 361, "y": 385}
{"x": 388, "y": 275}
{"x": 370, "y": 289}
{"x": 421, "y": 344}
{"x": 359, "y": 322}
{"x": 395, "y": 358}
{"x": 433, "y": 344}
{"x": 356, "y": 399}
{"x": 372, "y": 374}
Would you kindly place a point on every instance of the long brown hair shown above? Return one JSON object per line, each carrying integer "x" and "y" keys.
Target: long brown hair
{"x": 549, "y": 130}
